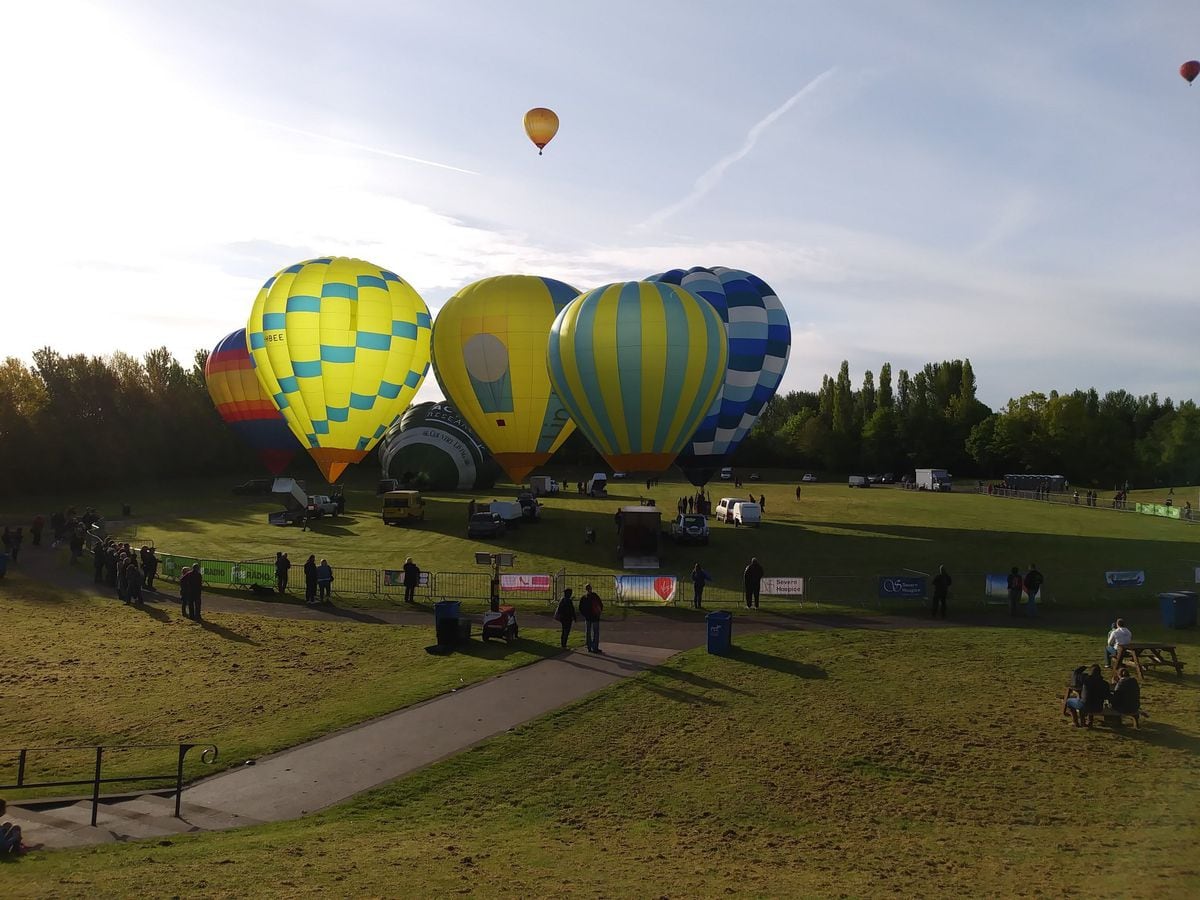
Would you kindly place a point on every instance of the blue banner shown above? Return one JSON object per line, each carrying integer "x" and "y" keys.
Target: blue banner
{"x": 901, "y": 586}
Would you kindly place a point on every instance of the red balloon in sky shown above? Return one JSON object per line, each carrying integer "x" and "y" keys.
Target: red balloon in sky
{"x": 1190, "y": 70}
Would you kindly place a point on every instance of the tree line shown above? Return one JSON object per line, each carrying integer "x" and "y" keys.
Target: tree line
{"x": 90, "y": 421}
{"x": 933, "y": 418}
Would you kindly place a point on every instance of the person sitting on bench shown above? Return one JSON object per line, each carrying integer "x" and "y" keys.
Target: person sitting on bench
{"x": 1127, "y": 695}
{"x": 1091, "y": 698}
{"x": 1118, "y": 637}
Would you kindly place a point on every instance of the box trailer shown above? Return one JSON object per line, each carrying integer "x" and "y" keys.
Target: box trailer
{"x": 934, "y": 480}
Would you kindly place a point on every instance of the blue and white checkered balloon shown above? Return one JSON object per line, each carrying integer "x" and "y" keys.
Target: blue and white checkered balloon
{"x": 760, "y": 339}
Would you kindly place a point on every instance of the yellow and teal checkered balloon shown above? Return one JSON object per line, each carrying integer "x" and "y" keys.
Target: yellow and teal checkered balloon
{"x": 341, "y": 346}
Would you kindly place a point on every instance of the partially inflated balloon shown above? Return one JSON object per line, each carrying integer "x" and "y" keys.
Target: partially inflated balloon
{"x": 638, "y": 365}
{"x": 541, "y": 125}
{"x": 760, "y": 340}
{"x": 489, "y": 356}
{"x": 241, "y": 402}
{"x": 341, "y": 346}
{"x": 432, "y": 440}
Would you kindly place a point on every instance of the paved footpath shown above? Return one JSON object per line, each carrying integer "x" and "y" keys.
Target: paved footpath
{"x": 338, "y": 766}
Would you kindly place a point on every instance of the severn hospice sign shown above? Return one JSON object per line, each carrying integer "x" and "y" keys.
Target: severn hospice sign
{"x": 901, "y": 586}
{"x": 1131, "y": 578}
{"x": 782, "y": 587}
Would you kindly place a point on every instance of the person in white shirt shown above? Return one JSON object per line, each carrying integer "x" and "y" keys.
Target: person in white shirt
{"x": 1117, "y": 638}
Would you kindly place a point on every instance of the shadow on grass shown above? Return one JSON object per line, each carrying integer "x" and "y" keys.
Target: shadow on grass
{"x": 1160, "y": 734}
{"x": 699, "y": 680}
{"x": 502, "y": 649}
{"x": 777, "y": 663}
{"x": 681, "y": 696}
{"x": 350, "y": 613}
{"x": 159, "y": 615}
{"x": 227, "y": 633}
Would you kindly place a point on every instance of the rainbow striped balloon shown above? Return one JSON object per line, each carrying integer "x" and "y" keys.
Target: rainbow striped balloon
{"x": 638, "y": 365}
{"x": 341, "y": 346}
{"x": 240, "y": 401}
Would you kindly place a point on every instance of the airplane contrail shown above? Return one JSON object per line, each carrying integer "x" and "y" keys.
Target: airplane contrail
{"x": 710, "y": 178}
{"x": 364, "y": 147}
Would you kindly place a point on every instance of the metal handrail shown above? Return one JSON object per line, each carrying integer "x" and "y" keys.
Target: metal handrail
{"x": 208, "y": 755}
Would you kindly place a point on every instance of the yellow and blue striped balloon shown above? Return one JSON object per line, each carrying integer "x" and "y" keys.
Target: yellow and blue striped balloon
{"x": 341, "y": 346}
{"x": 638, "y": 364}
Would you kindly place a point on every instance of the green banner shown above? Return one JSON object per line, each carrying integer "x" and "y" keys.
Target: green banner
{"x": 218, "y": 571}
{"x": 1158, "y": 509}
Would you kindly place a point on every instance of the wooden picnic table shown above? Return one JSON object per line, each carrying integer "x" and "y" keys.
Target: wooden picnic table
{"x": 1148, "y": 655}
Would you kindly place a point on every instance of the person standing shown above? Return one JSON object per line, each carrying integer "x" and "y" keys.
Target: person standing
{"x": 591, "y": 607}
{"x": 310, "y": 579}
{"x": 762, "y": 502}
{"x": 133, "y": 581}
{"x": 941, "y": 589}
{"x": 190, "y": 590}
{"x": 39, "y": 522}
{"x": 282, "y": 565}
{"x": 1033, "y": 584}
{"x": 1016, "y": 585}
{"x": 412, "y": 579}
{"x": 75, "y": 542}
{"x": 324, "y": 581}
{"x": 699, "y": 579}
{"x": 752, "y": 580}
{"x": 14, "y": 547}
{"x": 564, "y": 614}
{"x": 99, "y": 559}
{"x": 150, "y": 567}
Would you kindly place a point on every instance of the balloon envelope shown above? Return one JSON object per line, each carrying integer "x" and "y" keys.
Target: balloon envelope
{"x": 341, "y": 346}
{"x": 760, "y": 340}
{"x": 431, "y": 439}
{"x": 541, "y": 125}
{"x": 1190, "y": 69}
{"x": 489, "y": 356}
{"x": 638, "y": 365}
{"x": 241, "y": 402}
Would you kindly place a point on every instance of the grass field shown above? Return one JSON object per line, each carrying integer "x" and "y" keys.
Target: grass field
{"x": 922, "y": 762}
{"x": 83, "y": 670}
{"x": 842, "y": 540}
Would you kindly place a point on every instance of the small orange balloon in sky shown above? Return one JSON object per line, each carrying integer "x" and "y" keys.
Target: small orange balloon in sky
{"x": 541, "y": 125}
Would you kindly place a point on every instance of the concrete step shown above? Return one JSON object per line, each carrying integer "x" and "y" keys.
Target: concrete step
{"x": 45, "y": 829}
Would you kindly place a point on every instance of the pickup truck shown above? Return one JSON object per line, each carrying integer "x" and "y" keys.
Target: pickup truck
{"x": 321, "y": 505}
{"x": 690, "y": 529}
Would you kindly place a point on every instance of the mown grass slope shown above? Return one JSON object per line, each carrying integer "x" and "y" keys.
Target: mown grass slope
{"x": 930, "y": 762}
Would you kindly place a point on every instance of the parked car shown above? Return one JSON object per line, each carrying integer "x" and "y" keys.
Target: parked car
{"x": 727, "y": 474}
{"x": 485, "y": 525}
{"x": 754, "y": 476}
{"x": 859, "y": 481}
{"x": 808, "y": 478}
{"x": 255, "y": 486}
{"x": 888, "y": 478}
{"x": 747, "y": 513}
{"x": 874, "y": 479}
{"x": 690, "y": 529}
{"x": 724, "y": 510}
{"x": 401, "y": 506}
{"x": 531, "y": 510}
{"x": 321, "y": 505}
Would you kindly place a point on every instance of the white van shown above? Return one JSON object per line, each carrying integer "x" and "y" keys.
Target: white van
{"x": 724, "y": 511}
{"x": 747, "y": 513}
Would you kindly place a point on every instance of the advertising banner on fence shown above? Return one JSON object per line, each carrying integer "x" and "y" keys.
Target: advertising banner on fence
{"x": 783, "y": 587}
{"x": 395, "y": 578}
{"x": 995, "y": 587}
{"x": 1158, "y": 509}
{"x": 1130, "y": 578}
{"x": 169, "y": 565}
{"x": 539, "y": 583}
{"x": 903, "y": 586}
{"x": 645, "y": 588}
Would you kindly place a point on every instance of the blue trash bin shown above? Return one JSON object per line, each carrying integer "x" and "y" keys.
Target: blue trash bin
{"x": 1178, "y": 609}
{"x": 720, "y": 631}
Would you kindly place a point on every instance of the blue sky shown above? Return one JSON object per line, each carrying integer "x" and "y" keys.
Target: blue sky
{"x": 1013, "y": 182}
